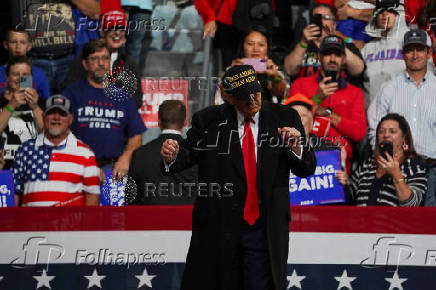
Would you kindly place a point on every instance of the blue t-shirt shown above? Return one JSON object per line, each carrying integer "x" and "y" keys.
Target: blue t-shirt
{"x": 102, "y": 121}
{"x": 40, "y": 81}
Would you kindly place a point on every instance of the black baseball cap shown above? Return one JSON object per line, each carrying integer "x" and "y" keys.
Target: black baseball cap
{"x": 332, "y": 42}
{"x": 386, "y": 4}
{"x": 416, "y": 36}
{"x": 58, "y": 101}
{"x": 241, "y": 81}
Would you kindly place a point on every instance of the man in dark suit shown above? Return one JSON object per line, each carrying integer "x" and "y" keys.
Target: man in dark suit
{"x": 146, "y": 183}
{"x": 240, "y": 221}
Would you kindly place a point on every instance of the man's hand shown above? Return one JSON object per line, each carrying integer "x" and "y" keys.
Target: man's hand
{"x": 121, "y": 167}
{"x": 340, "y": 3}
{"x": 169, "y": 150}
{"x": 31, "y": 97}
{"x": 209, "y": 28}
{"x": 292, "y": 138}
{"x": 344, "y": 12}
{"x": 18, "y": 98}
{"x": 310, "y": 33}
{"x": 326, "y": 89}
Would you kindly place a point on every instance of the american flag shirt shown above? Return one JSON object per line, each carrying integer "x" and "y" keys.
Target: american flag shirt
{"x": 46, "y": 175}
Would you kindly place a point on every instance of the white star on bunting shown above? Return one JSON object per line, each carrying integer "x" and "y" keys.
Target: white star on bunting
{"x": 94, "y": 279}
{"x": 295, "y": 280}
{"x": 345, "y": 281}
{"x": 43, "y": 280}
{"x": 396, "y": 282}
{"x": 145, "y": 279}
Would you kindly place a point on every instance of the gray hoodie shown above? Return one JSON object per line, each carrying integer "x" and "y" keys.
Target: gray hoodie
{"x": 382, "y": 54}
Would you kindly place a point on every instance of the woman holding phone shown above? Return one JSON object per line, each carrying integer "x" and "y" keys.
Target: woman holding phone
{"x": 20, "y": 115}
{"x": 394, "y": 176}
{"x": 255, "y": 51}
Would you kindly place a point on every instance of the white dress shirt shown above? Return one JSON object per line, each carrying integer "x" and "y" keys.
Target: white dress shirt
{"x": 416, "y": 103}
{"x": 171, "y": 131}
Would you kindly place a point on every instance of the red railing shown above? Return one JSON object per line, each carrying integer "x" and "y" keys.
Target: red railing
{"x": 304, "y": 219}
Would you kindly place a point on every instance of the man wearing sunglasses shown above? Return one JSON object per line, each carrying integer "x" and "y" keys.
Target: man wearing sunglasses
{"x": 303, "y": 60}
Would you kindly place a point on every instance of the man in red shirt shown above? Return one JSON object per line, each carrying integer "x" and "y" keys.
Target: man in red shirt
{"x": 339, "y": 106}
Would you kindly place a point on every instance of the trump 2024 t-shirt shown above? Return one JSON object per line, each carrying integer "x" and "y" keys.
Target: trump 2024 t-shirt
{"x": 103, "y": 118}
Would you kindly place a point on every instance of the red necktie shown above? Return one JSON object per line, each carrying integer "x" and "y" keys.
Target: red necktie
{"x": 251, "y": 209}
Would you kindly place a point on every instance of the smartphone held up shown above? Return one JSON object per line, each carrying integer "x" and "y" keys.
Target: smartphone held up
{"x": 259, "y": 64}
{"x": 316, "y": 19}
{"x": 386, "y": 147}
{"x": 26, "y": 82}
{"x": 333, "y": 74}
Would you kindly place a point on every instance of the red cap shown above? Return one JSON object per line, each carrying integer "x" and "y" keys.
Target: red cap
{"x": 114, "y": 18}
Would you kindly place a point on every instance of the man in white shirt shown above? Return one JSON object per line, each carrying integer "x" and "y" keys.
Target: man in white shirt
{"x": 412, "y": 95}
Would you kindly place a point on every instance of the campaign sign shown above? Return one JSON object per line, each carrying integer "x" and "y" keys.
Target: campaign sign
{"x": 6, "y": 189}
{"x": 112, "y": 191}
{"x": 321, "y": 187}
{"x": 155, "y": 91}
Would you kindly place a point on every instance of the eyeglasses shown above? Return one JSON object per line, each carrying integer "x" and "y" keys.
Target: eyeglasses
{"x": 327, "y": 17}
{"x": 98, "y": 58}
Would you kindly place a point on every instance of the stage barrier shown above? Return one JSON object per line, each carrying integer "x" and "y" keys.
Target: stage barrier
{"x": 331, "y": 247}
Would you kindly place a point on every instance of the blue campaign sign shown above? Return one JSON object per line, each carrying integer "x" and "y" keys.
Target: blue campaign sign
{"x": 6, "y": 189}
{"x": 321, "y": 187}
{"x": 112, "y": 192}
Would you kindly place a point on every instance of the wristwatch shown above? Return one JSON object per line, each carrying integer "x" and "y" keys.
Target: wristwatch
{"x": 328, "y": 112}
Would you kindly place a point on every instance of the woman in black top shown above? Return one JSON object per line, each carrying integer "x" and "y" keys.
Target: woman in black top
{"x": 256, "y": 46}
{"x": 398, "y": 180}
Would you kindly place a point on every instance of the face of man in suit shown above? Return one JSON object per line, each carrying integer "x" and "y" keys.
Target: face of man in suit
{"x": 248, "y": 106}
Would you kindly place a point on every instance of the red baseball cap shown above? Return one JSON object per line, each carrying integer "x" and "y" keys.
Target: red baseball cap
{"x": 113, "y": 19}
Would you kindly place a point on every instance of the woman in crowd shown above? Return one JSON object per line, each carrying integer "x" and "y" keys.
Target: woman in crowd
{"x": 398, "y": 180}
{"x": 20, "y": 115}
{"x": 255, "y": 49}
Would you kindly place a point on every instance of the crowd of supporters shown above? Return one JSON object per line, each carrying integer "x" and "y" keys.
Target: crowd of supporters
{"x": 364, "y": 69}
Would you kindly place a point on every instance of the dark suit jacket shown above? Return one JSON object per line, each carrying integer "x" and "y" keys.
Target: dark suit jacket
{"x": 144, "y": 170}
{"x": 213, "y": 143}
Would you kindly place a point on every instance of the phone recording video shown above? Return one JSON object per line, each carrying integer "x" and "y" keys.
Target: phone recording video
{"x": 259, "y": 64}
{"x": 317, "y": 20}
{"x": 386, "y": 147}
{"x": 26, "y": 82}
{"x": 333, "y": 74}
